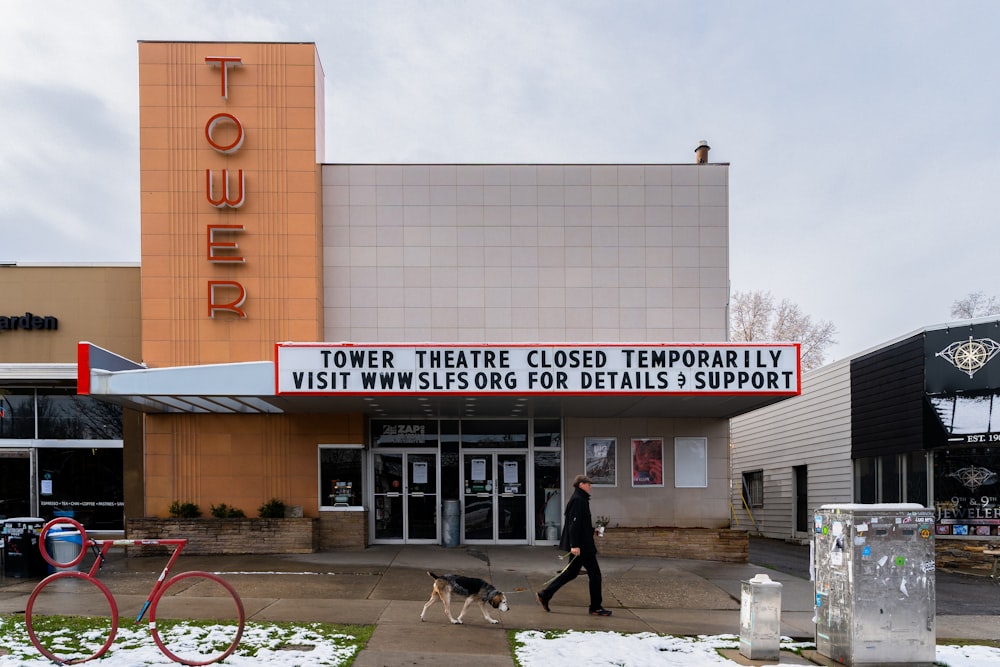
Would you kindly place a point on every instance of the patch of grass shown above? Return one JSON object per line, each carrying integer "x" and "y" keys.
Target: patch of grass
{"x": 81, "y": 636}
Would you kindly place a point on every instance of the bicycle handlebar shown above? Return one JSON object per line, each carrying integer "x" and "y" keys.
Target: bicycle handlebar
{"x": 103, "y": 545}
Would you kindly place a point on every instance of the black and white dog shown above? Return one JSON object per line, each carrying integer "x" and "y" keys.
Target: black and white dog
{"x": 470, "y": 588}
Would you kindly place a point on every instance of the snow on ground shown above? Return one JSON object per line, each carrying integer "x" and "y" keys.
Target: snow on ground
{"x": 648, "y": 649}
{"x": 300, "y": 646}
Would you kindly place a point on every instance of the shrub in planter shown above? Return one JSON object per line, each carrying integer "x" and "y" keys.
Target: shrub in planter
{"x": 272, "y": 509}
{"x": 179, "y": 510}
{"x": 224, "y": 511}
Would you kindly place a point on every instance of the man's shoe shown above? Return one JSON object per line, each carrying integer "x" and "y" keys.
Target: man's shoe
{"x": 600, "y": 612}
{"x": 542, "y": 601}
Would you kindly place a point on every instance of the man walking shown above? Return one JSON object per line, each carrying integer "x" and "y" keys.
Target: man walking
{"x": 578, "y": 539}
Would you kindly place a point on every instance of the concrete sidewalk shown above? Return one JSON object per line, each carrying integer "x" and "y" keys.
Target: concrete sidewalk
{"x": 387, "y": 586}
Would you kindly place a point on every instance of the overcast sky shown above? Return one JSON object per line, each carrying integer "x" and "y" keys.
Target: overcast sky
{"x": 862, "y": 136}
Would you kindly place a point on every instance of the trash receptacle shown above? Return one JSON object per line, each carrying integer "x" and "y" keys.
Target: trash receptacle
{"x": 452, "y": 523}
{"x": 63, "y": 546}
{"x": 760, "y": 618}
{"x": 22, "y": 557}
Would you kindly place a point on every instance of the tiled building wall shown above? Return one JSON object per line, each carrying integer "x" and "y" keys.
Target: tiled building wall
{"x": 473, "y": 253}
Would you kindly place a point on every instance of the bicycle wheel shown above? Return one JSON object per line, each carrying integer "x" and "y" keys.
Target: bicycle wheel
{"x": 214, "y": 635}
{"x": 71, "y": 594}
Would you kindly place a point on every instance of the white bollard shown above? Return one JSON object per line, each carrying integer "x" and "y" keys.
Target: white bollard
{"x": 760, "y": 618}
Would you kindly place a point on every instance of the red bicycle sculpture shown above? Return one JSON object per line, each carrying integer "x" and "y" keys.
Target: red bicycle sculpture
{"x": 180, "y": 641}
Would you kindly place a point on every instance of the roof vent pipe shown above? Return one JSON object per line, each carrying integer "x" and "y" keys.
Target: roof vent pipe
{"x": 701, "y": 153}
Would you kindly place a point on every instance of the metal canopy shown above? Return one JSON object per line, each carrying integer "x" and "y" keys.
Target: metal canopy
{"x": 248, "y": 388}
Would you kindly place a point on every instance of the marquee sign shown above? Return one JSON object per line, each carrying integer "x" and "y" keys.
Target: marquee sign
{"x": 571, "y": 369}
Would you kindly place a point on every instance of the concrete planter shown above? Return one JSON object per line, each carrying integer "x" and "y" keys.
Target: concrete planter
{"x": 227, "y": 536}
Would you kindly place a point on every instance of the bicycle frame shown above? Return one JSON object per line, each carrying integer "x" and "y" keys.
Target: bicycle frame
{"x": 107, "y": 545}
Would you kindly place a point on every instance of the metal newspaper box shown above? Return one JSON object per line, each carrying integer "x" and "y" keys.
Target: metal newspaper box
{"x": 760, "y": 618}
{"x": 874, "y": 583}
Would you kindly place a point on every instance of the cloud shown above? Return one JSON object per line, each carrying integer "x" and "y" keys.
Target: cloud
{"x": 861, "y": 135}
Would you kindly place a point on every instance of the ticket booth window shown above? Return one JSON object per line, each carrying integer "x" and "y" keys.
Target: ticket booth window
{"x": 341, "y": 476}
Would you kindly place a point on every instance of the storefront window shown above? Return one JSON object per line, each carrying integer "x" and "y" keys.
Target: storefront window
{"x": 548, "y": 433}
{"x": 865, "y": 480}
{"x": 341, "y": 475}
{"x": 17, "y": 414}
{"x": 84, "y": 483}
{"x": 965, "y": 491}
{"x": 889, "y": 472}
{"x": 62, "y": 415}
{"x": 495, "y": 433}
{"x": 916, "y": 478}
{"x": 548, "y": 495}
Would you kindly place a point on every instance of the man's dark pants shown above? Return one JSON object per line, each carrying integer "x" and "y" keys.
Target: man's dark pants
{"x": 588, "y": 561}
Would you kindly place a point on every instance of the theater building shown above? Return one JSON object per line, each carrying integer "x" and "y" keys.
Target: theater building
{"x": 398, "y": 349}
{"x": 914, "y": 420}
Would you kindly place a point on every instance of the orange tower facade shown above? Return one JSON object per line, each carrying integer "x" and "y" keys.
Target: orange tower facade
{"x": 231, "y": 138}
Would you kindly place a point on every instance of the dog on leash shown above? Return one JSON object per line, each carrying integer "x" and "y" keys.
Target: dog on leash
{"x": 469, "y": 588}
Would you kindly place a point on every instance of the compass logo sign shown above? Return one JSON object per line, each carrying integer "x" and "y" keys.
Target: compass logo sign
{"x": 970, "y": 355}
{"x": 973, "y": 477}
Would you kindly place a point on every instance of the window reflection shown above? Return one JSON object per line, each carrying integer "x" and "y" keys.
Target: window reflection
{"x": 62, "y": 415}
{"x": 341, "y": 473}
{"x": 17, "y": 413}
{"x": 84, "y": 483}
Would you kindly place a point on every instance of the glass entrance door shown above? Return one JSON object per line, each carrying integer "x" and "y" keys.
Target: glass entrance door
{"x": 406, "y": 492}
{"x": 495, "y": 498}
{"x": 15, "y": 483}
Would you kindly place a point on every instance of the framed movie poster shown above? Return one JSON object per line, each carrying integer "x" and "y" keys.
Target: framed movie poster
{"x": 647, "y": 461}
{"x": 600, "y": 459}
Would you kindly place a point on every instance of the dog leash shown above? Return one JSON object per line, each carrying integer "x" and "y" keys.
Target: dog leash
{"x": 568, "y": 563}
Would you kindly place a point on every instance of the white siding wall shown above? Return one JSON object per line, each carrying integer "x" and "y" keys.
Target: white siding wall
{"x": 814, "y": 430}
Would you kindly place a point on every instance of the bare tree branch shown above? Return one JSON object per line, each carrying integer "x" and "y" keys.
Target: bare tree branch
{"x": 754, "y": 317}
{"x": 975, "y": 304}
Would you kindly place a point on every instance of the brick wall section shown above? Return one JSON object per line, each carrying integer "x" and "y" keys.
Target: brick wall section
{"x": 227, "y": 536}
{"x": 340, "y": 530}
{"x": 725, "y": 545}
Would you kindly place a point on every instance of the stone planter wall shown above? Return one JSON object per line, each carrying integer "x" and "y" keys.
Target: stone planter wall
{"x": 343, "y": 530}
{"x": 723, "y": 544}
{"x": 227, "y": 536}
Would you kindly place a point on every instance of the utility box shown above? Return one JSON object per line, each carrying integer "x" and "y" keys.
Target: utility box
{"x": 22, "y": 555}
{"x": 874, "y": 584}
{"x": 760, "y": 618}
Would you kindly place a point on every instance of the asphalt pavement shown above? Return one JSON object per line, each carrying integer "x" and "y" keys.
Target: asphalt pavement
{"x": 387, "y": 586}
